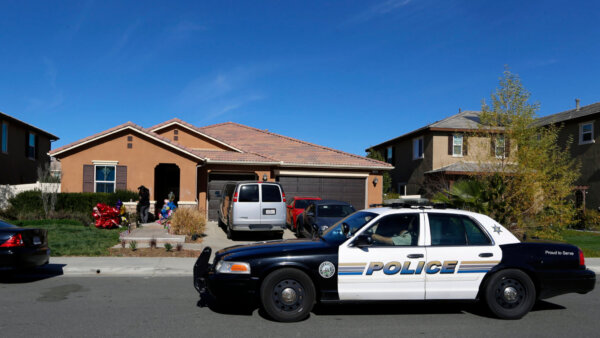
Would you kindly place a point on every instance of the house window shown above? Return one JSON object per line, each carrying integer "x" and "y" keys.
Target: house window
{"x": 417, "y": 148}
{"x": 4, "y": 137}
{"x": 389, "y": 155}
{"x": 500, "y": 146}
{"x": 31, "y": 146}
{"x": 105, "y": 178}
{"x": 586, "y": 133}
{"x": 457, "y": 145}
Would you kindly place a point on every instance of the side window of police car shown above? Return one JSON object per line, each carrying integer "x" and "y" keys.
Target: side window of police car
{"x": 455, "y": 230}
{"x": 395, "y": 230}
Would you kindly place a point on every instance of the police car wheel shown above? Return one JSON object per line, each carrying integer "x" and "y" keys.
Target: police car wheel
{"x": 510, "y": 294}
{"x": 287, "y": 295}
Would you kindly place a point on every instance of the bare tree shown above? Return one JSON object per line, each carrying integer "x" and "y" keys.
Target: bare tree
{"x": 48, "y": 188}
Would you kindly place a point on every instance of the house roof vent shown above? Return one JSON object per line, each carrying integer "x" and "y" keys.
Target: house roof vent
{"x": 577, "y": 104}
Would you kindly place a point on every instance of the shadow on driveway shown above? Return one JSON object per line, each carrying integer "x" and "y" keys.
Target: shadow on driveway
{"x": 31, "y": 275}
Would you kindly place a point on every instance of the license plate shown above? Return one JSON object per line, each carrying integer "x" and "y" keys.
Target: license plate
{"x": 37, "y": 240}
{"x": 269, "y": 212}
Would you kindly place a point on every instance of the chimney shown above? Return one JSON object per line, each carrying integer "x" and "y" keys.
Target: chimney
{"x": 577, "y": 104}
{"x": 459, "y": 110}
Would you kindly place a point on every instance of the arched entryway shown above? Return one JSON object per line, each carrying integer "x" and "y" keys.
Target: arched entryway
{"x": 166, "y": 180}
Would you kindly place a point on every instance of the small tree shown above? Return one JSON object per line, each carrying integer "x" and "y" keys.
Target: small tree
{"x": 48, "y": 188}
{"x": 536, "y": 175}
{"x": 387, "y": 179}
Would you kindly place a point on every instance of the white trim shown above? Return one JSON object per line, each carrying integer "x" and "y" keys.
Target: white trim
{"x": 462, "y": 144}
{"x": 101, "y": 162}
{"x": 318, "y": 173}
{"x": 114, "y": 182}
{"x": 208, "y": 160}
{"x": 133, "y": 129}
{"x": 197, "y": 132}
{"x": 580, "y": 138}
{"x": 187, "y": 203}
{"x": 333, "y": 166}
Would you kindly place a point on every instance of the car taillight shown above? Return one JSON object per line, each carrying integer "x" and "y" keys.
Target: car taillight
{"x": 283, "y": 195}
{"x": 581, "y": 258}
{"x": 235, "y": 197}
{"x": 15, "y": 241}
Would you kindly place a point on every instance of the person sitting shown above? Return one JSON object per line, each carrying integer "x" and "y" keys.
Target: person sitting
{"x": 398, "y": 235}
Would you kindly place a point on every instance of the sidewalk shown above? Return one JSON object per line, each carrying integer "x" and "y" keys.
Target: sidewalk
{"x": 153, "y": 266}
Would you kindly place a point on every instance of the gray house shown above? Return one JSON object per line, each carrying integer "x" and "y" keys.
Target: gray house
{"x": 581, "y": 125}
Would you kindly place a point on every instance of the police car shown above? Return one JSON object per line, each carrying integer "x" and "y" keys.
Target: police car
{"x": 397, "y": 253}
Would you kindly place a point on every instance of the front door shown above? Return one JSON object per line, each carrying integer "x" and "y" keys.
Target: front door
{"x": 460, "y": 254}
{"x": 391, "y": 268}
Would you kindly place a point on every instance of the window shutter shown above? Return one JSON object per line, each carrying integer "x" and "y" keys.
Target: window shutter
{"x": 465, "y": 148}
{"x": 493, "y": 146}
{"x": 37, "y": 146}
{"x": 506, "y": 147}
{"x": 88, "y": 178}
{"x": 450, "y": 144}
{"x": 121, "y": 177}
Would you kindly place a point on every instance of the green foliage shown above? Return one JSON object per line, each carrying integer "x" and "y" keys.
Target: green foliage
{"x": 590, "y": 220}
{"x": 29, "y": 203}
{"x": 387, "y": 179}
{"x": 133, "y": 245}
{"x": 587, "y": 241}
{"x": 168, "y": 247}
{"x": 537, "y": 175}
{"x": 70, "y": 238}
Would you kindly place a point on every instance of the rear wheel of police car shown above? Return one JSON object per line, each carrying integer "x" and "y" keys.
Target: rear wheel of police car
{"x": 287, "y": 295}
{"x": 510, "y": 294}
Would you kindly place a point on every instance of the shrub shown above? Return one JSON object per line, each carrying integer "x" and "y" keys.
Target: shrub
{"x": 29, "y": 203}
{"x": 591, "y": 220}
{"x": 168, "y": 247}
{"x": 188, "y": 221}
{"x": 133, "y": 245}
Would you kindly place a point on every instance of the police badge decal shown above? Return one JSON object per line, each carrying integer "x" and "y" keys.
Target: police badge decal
{"x": 326, "y": 269}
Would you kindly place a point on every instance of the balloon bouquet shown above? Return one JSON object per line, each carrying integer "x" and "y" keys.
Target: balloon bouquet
{"x": 108, "y": 217}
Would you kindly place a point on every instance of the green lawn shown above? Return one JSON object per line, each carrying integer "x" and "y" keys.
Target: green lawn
{"x": 70, "y": 238}
{"x": 589, "y": 242}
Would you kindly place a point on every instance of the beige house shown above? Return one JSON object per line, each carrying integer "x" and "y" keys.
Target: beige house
{"x": 194, "y": 163}
{"x": 440, "y": 153}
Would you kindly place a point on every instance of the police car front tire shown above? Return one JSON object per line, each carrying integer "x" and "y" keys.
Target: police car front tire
{"x": 287, "y": 295}
{"x": 510, "y": 294}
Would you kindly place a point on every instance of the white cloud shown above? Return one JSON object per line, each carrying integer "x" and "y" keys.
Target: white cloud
{"x": 380, "y": 9}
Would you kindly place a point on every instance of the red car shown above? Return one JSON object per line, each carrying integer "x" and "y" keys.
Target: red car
{"x": 295, "y": 207}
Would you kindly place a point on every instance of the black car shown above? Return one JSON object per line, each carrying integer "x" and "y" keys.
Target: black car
{"x": 396, "y": 254}
{"x": 320, "y": 215}
{"x": 23, "y": 247}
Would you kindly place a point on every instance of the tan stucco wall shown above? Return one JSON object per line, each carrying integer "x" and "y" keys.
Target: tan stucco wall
{"x": 374, "y": 192}
{"x": 190, "y": 139}
{"x": 478, "y": 150}
{"x": 140, "y": 160}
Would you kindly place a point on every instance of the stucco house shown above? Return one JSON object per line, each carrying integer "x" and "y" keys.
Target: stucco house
{"x": 23, "y": 149}
{"x": 580, "y": 125}
{"x": 436, "y": 155}
{"x": 194, "y": 163}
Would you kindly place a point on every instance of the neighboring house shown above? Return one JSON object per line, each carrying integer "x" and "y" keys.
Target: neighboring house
{"x": 23, "y": 149}
{"x": 434, "y": 156}
{"x": 194, "y": 163}
{"x": 581, "y": 126}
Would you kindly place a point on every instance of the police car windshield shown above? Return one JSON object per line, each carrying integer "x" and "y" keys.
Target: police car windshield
{"x": 355, "y": 221}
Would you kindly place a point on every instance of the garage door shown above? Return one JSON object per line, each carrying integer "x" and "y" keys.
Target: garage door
{"x": 216, "y": 181}
{"x": 351, "y": 190}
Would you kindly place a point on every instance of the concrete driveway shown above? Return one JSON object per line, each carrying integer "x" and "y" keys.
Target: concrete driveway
{"x": 216, "y": 237}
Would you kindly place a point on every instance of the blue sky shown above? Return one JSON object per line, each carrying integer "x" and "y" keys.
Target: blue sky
{"x": 344, "y": 74}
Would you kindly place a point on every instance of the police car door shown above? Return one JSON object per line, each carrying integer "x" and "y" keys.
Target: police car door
{"x": 389, "y": 268}
{"x": 460, "y": 253}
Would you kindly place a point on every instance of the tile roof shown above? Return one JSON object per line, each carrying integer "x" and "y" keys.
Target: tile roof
{"x": 8, "y": 117}
{"x": 286, "y": 150}
{"x": 252, "y": 146}
{"x": 465, "y": 120}
{"x": 571, "y": 114}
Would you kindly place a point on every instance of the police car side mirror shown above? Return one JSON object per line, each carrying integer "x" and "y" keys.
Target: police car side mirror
{"x": 345, "y": 229}
{"x": 363, "y": 240}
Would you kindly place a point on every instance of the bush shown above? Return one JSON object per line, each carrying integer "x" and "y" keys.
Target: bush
{"x": 28, "y": 204}
{"x": 188, "y": 221}
{"x": 591, "y": 220}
